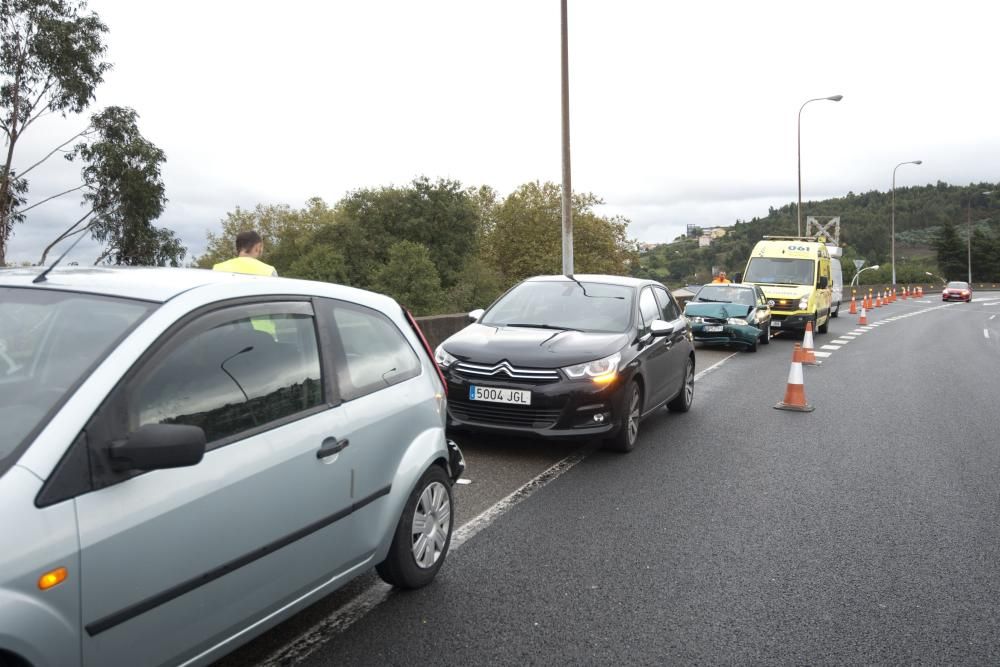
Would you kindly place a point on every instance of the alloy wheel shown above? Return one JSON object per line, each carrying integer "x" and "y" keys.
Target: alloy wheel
{"x": 431, "y": 524}
{"x": 633, "y": 415}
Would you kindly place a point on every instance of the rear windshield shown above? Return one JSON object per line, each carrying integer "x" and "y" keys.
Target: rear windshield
{"x": 583, "y": 306}
{"x": 49, "y": 341}
{"x": 780, "y": 271}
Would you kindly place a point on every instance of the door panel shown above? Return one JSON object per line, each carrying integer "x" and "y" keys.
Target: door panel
{"x": 174, "y": 561}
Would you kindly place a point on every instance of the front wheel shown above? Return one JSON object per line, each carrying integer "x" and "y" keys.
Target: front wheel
{"x": 823, "y": 327}
{"x": 423, "y": 533}
{"x": 766, "y": 338}
{"x": 628, "y": 433}
{"x": 683, "y": 401}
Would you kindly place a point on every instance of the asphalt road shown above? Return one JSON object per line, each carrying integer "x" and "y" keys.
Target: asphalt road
{"x": 865, "y": 531}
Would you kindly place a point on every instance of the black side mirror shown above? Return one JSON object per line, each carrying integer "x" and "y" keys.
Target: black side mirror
{"x": 823, "y": 282}
{"x": 157, "y": 446}
{"x": 738, "y": 278}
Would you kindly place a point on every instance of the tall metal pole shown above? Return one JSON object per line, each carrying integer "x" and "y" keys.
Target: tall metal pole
{"x": 969, "y": 240}
{"x": 567, "y": 185}
{"x": 798, "y": 143}
{"x": 892, "y": 222}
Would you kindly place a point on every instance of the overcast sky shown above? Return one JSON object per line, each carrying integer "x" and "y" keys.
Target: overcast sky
{"x": 682, "y": 112}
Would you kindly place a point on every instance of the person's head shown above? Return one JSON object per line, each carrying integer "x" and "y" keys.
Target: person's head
{"x": 249, "y": 244}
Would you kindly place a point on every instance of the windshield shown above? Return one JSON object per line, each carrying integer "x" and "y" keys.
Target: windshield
{"x": 726, "y": 294}
{"x": 48, "y": 342}
{"x": 958, "y": 285}
{"x": 580, "y": 306}
{"x": 780, "y": 271}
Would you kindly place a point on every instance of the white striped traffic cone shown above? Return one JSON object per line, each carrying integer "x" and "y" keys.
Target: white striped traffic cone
{"x": 795, "y": 392}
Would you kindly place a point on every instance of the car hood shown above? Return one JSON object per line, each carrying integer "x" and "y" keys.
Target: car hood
{"x": 717, "y": 310}
{"x": 535, "y": 348}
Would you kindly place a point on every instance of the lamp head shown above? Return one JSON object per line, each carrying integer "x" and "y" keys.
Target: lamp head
{"x": 918, "y": 162}
{"x": 875, "y": 267}
{"x": 835, "y": 98}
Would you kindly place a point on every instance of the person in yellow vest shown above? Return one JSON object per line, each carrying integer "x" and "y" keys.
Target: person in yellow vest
{"x": 721, "y": 278}
{"x": 249, "y": 247}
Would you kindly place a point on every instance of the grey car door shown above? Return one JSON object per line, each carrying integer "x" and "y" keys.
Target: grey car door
{"x": 176, "y": 561}
{"x": 389, "y": 405}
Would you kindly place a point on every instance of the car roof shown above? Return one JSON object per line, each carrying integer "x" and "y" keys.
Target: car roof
{"x": 627, "y": 281}
{"x": 158, "y": 284}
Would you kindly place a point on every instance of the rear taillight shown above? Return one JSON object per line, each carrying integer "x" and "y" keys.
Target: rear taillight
{"x": 427, "y": 348}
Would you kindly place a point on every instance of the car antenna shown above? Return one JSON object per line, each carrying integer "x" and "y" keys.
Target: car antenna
{"x": 41, "y": 276}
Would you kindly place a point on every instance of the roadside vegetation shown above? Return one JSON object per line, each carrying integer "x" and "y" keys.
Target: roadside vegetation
{"x": 931, "y": 236}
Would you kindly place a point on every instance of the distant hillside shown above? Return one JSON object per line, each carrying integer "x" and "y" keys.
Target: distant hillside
{"x": 922, "y": 215}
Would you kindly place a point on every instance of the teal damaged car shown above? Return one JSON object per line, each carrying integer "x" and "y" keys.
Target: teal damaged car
{"x": 730, "y": 314}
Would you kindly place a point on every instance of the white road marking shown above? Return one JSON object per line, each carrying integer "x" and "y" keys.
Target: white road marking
{"x": 858, "y": 332}
{"x": 848, "y": 336}
{"x": 823, "y": 355}
{"x": 986, "y": 333}
{"x": 831, "y": 347}
{"x": 310, "y": 640}
{"x": 841, "y": 341}
{"x": 992, "y": 316}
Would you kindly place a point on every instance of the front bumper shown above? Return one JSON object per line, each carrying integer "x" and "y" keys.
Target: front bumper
{"x": 737, "y": 334}
{"x": 795, "y": 322}
{"x": 956, "y": 297}
{"x": 564, "y": 409}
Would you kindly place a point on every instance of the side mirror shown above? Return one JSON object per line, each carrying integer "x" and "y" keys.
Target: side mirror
{"x": 476, "y": 314}
{"x": 662, "y": 328}
{"x": 156, "y": 446}
{"x": 823, "y": 282}
{"x": 738, "y": 278}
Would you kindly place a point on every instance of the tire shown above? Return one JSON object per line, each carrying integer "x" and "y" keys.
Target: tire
{"x": 628, "y": 433}
{"x": 766, "y": 338}
{"x": 824, "y": 327}
{"x": 836, "y": 313}
{"x": 410, "y": 564}
{"x": 751, "y": 347}
{"x": 682, "y": 402}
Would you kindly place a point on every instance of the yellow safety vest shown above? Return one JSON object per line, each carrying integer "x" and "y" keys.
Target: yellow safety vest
{"x": 250, "y": 265}
{"x": 255, "y": 267}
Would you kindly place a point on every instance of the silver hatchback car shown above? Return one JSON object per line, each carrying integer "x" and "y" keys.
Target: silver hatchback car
{"x": 189, "y": 457}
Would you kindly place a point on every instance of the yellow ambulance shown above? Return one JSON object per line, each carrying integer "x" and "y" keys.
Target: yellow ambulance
{"x": 794, "y": 274}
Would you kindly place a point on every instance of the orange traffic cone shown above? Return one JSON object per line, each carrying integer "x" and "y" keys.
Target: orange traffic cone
{"x": 878, "y": 300}
{"x": 920, "y": 291}
{"x": 904, "y": 294}
{"x": 807, "y": 356}
{"x": 854, "y": 305}
{"x": 795, "y": 392}
{"x": 870, "y": 303}
{"x": 863, "y": 320}
{"x": 892, "y": 295}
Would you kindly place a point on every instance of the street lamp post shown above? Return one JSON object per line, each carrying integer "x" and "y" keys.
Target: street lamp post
{"x": 892, "y": 223}
{"x": 867, "y": 268}
{"x": 832, "y": 98}
{"x": 968, "y": 241}
{"x": 567, "y": 187}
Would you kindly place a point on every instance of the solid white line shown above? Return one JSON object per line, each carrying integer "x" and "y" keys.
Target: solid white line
{"x": 310, "y": 640}
{"x": 713, "y": 367}
{"x": 823, "y": 355}
{"x": 831, "y": 347}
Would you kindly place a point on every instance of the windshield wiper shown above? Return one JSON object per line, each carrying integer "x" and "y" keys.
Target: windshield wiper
{"x": 539, "y": 326}
{"x": 704, "y": 300}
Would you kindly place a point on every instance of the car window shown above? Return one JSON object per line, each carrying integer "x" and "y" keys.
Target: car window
{"x": 238, "y": 374}
{"x": 376, "y": 355}
{"x": 49, "y": 341}
{"x": 668, "y": 306}
{"x": 648, "y": 308}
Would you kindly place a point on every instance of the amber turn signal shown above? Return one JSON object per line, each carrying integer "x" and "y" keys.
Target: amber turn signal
{"x": 52, "y": 578}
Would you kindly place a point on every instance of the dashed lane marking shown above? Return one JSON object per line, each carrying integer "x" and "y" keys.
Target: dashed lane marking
{"x": 832, "y": 347}
{"x": 841, "y": 341}
{"x": 823, "y": 355}
{"x": 986, "y": 333}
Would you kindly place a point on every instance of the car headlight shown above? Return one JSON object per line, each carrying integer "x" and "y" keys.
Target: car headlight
{"x": 694, "y": 320}
{"x": 600, "y": 371}
{"x": 443, "y": 359}
{"x": 737, "y": 320}
{"x": 803, "y": 303}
